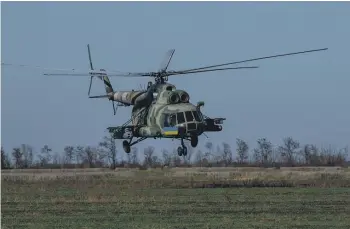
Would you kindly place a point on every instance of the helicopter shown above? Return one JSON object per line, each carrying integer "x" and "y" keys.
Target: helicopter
{"x": 161, "y": 110}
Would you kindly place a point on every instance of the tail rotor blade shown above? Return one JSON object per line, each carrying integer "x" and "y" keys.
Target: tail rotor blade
{"x": 91, "y": 67}
{"x": 90, "y": 85}
{"x": 113, "y": 108}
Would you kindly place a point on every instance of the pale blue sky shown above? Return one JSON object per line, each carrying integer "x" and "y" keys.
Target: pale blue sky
{"x": 305, "y": 96}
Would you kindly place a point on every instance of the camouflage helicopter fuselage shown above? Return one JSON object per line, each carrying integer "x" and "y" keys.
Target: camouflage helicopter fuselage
{"x": 162, "y": 111}
{"x": 170, "y": 114}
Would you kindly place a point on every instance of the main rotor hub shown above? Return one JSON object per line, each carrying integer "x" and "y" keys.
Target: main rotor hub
{"x": 161, "y": 77}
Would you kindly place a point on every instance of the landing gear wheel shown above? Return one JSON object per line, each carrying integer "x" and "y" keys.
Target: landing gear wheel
{"x": 194, "y": 141}
{"x": 184, "y": 151}
{"x": 179, "y": 151}
{"x": 126, "y": 146}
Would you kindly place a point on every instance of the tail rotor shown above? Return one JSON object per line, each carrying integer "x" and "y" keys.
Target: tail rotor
{"x": 104, "y": 78}
{"x": 91, "y": 68}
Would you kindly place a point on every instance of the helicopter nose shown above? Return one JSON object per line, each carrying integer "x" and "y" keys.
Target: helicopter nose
{"x": 191, "y": 127}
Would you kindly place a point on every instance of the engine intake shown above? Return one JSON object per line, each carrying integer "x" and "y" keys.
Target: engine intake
{"x": 184, "y": 97}
{"x": 174, "y": 98}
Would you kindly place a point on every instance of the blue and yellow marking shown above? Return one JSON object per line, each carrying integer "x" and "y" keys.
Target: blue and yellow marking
{"x": 170, "y": 131}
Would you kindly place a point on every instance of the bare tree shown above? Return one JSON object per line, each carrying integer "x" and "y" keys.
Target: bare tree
{"x": 79, "y": 154}
{"x": 25, "y": 155}
{"x": 242, "y": 151}
{"x": 45, "y": 156}
{"x": 3, "y": 158}
{"x": 5, "y": 162}
{"x": 310, "y": 154}
{"x": 156, "y": 161}
{"x": 109, "y": 148}
{"x": 101, "y": 157}
{"x": 133, "y": 155}
{"x": 166, "y": 157}
{"x": 89, "y": 155}
{"x": 331, "y": 156}
{"x": 56, "y": 158}
{"x": 345, "y": 152}
{"x": 209, "y": 154}
{"x": 342, "y": 155}
{"x": 18, "y": 157}
{"x": 148, "y": 152}
{"x": 218, "y": 155}
{"x": 289, "y": 150}
{"x": 27, "y": 152}
{"x": 69, "y": 154}
{"x": 263, "y": 152}
{"x": 175, "y": 159}
{"x": 227, "y": 154}
{"x": 30, "y": 158}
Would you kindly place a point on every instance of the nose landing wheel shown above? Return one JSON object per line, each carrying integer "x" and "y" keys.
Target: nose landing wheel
{"x": 182, "y": 150}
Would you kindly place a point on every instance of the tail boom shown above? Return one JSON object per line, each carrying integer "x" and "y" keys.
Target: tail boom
{"x": 138, "y": 98}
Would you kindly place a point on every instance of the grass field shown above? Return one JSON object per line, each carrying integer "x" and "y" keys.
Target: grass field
{"x": 177, "y": 198}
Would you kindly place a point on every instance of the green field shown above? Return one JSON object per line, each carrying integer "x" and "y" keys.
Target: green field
{"x": 175, "y": 198}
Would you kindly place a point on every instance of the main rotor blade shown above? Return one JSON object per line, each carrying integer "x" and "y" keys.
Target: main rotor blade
{"x": 101, "y": 73}
{"x": 254, "y": 59}
{"x": 75, "y": 72}
{"x": 90, "y": 61}
{"x": 37, "y": 67}
{"x": 166, "y": 61}
{"x": 209, "y": 70}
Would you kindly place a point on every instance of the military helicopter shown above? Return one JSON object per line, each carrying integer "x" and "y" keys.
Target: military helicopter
{"x": 161, "y": 110}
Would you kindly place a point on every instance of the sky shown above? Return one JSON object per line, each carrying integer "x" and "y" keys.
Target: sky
{"x": 304, "y": 96}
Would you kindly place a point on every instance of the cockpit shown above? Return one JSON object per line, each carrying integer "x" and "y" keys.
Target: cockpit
{"x": 191, "y": 120}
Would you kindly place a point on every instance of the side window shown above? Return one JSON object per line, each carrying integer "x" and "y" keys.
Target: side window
{"x": 166, "y": 120}
{"x": 172, "y": 119}
{"x": 189, "y": 117}
{"x": 180, "y": 118}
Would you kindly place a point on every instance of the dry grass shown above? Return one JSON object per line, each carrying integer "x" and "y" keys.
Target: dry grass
{"x": 192, "y": 177}
{"x": 174, "y": 198}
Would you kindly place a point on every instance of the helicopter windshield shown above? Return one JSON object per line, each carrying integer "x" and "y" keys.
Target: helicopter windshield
{"x": 181, "y": 117}
{"x": 189, "y": 116}
{"x": 196, "y": 116}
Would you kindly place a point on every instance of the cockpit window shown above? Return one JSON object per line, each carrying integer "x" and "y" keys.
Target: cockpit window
{"x": 196, "y": 116}
{"x": 189, "y": 116}
{"x": 180, "y": 118}
{"x": 170, "y": 120}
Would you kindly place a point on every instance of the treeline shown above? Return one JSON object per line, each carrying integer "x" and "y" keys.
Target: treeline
{"x": 264, "y": 153}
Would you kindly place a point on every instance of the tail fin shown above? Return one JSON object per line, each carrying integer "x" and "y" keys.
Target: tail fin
{"x": 103, "y": 77}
